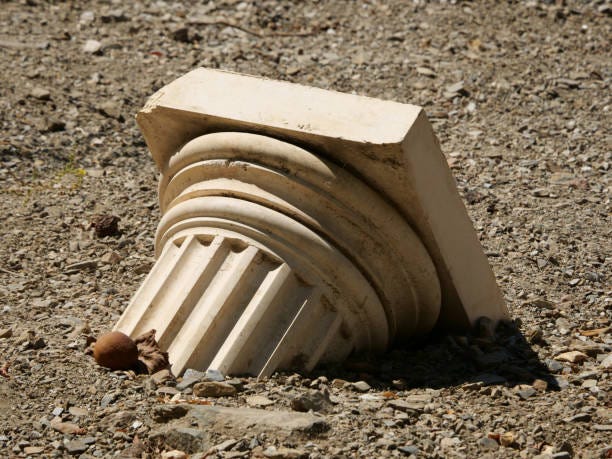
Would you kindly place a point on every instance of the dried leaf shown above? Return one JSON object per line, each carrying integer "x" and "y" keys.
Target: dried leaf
{"x": 507, "y": 439}
{"x": 4, "y": 370}
{"x": 105, "y": 225}
{"x": 475, "y": 44}
{"x": 150, "y": 354}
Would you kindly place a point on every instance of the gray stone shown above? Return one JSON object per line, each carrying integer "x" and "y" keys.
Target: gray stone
{"x": 191, "y": 373}
{"x": 526, "y": 393}
{"x": 214, "y": 375}
{"x": 111, "y": 109}
{"x": 408, "y": 450}
{"x": 406, "y": 407}
{"x": 449, "y": 442}
{"x": 40, "y": 93}
{"x": 607, "y": 362}
{"x": 108, "y": 399}
{"x": 361, "y": 386}
{"x": 313, "y": 400}
{"x": 553, "y": 365}
{"x": 562, "y": 382}
{"x": 580, "y": 417}
{"x": 186, "y": 383}
{"x": 239, "y": 420}
{"x": 75, "y": 447}
{"x": 92, "y": 47}
{"x": 488, "y": 443}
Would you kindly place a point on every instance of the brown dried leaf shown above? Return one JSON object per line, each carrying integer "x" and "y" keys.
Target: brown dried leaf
{"x": 105, "y": 225}
{"x": 150, "y": 354}
{"x": 4, "y": 370}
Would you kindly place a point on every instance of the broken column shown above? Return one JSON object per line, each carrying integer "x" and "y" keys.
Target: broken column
{"x": 299, "y": 226}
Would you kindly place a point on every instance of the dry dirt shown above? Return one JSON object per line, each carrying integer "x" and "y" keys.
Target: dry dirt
{"x": 519, "y": 95}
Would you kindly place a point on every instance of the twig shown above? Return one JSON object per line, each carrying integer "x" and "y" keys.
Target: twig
{"x": 228, "y": 23}
{"x": 7, "y": 271}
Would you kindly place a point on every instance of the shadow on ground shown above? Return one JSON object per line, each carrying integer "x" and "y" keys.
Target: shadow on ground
{"x": 484, "y": 357}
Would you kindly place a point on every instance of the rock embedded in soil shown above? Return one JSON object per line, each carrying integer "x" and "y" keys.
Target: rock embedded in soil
{"x": 213, "y": 389}
{"x": 258, "y": 401}
{"x": 361, "y": 386}
{"x": 182, "y": 438}
{"x": 40, "y": 93}
{"x": 312, "y": 400}
{"x": 92, "y": 47}
{"x": 233, "y": 420}
{"x": 165, "y": 413}
{"x": 75, "y": 447}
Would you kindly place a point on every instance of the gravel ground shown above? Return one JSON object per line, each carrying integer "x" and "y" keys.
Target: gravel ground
{"x": 519, "y": 95}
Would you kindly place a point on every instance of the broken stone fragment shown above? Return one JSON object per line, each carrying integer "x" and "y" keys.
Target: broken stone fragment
{"x": 572, "y": 357}
{"x": 213, "y": 389}
{"x": 92, "y": 47}
{"x": 40, "y": 93}
{"x": 313, "y": 400}
{"x": 259, "y": 401}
